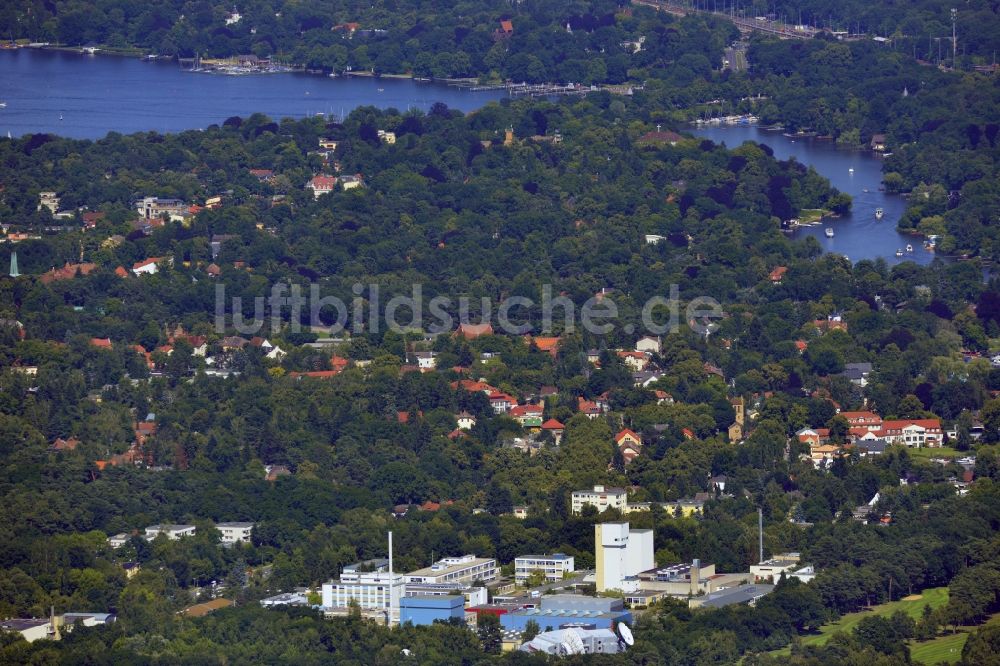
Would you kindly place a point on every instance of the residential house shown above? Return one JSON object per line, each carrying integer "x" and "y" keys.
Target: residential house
{"x": 550, "y": 345}
{"x": 663, "y": 398}
{"x": 466, "y": 421}
{"x": 147, "y": 266}
{"x": 529, "y": 416}
{"x": 777, "y": 274}
{"x": 858, "y": 373}
{"x": 635, "y": 360}
{"x": 387, "y": 137}
{"x": 505, "y": 31}
{"x": 863, "y": 419}
{"x": 426, "y": 360}
{"x": 659, "y": 138}
{"x": 473, "y": 331}
{"x": 272, "y": 472}
{"x": 912, "y": 432}
{"x": 556, "y": 428}
{"x": 119, "y": 540}
{"x": 648, "y": 345}
{"x": 626, "y": 437}
{"x": 48, "y": 200}
{"x": 91, "y": 218}
{"x": 61, "y": 444}
{"x": 813, "y": 436}
{"x": 501, "y": 402}
{"x": 150, "y": 208}
{"x": 588, "y": 408}
{"x": 326, "y": 143}
{"x": 67, "y": 272}
{"x": 263, "y": 175}
{"x": 351, "y": 182}
{"x": 646, "y": 378}
{"x": 321, "y": 185}
{"x": 878, "y": 143}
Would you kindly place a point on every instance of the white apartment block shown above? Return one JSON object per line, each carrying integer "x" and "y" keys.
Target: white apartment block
{"x": 600, "y": 497}
{"x": 464, "y": 569}
{"x": 171, "y": 531}
{"x": 235, "y": 532}
{"x": 553, "y": 566}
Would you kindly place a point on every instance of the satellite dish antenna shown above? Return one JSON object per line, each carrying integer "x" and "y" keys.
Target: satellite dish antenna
{"x": 625, "y": 634}
{"x": 574, "y": 642}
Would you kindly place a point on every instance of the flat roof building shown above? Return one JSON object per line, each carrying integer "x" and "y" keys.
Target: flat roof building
{"x": 741, "y": 594}
{"x": 554, "y": 566}
{"x": 235, "y": 532}
{"x": 600, "y": 497}
{"x": 621, "y": 554}
{"x": 463, "y": 569}
{"x": 557, "y": 611}
{"x": 171, "y": 531}
{"x": 423, "y": 609}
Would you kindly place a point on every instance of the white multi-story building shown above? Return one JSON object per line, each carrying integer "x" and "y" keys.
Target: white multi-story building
{"x": 151, "y": 208}
{"x": 464, "y": 569}
{"x": 600, "y": 497}
{"x": 621, "y": 554}
{"x": 171, "y": 531}
{"x": 553, "y": 566}
{"x": 372, "y": 590}
{"x": 118, "y": 540}
{"x": 235, "y": 532}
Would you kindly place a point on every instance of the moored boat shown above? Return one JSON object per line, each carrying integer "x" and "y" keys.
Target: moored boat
{"x": 829, "y": 232}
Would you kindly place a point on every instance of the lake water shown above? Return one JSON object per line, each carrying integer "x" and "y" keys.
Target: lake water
{"x": 84, "y": 96}
{"x": 857, "y": 235}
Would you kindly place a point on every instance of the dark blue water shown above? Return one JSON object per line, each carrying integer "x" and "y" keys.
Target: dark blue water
{"x": 857, "y": 235}
{"x": 85, "y": 96}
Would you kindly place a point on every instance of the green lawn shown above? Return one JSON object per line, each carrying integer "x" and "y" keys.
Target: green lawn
{"x": 936, "y": 452}
{"x": 812, "y": 215}
{"x": 937, "y": 596}
{"x": 946, "y": 648}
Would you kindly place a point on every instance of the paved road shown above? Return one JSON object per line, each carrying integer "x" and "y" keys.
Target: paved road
{"x": 736, "y": 59}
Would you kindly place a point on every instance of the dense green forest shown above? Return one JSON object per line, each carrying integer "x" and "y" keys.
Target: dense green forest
{"x": 512, "y": 200}
{"x": 443, "y": 208}
{"x": 586, "y": 42}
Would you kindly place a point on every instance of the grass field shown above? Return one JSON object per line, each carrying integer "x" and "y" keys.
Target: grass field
{"x": 946, "y": 649}
{"x": 936, "y": 596}
{"x": 936, "y": 452}
{"x": 812, "y": 215}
